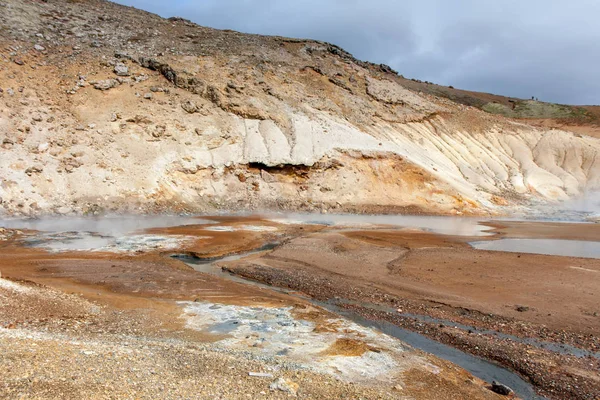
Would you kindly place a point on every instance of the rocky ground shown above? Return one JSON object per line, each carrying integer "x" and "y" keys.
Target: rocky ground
{"x": 122, "y": 325}
{"x": 78, "y": 349}
{"x": 108, "y": 108}
{"x": 105, "y": 107}
{"x": 470, "y": 299}
{"x": 63, "y": 304}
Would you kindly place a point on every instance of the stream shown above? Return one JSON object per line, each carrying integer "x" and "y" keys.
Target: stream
{"x": 477, "y": 366}
{"x": 125, "y": 234}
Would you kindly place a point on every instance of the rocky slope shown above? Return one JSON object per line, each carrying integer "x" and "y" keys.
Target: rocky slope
{"x": 109, "y": 108}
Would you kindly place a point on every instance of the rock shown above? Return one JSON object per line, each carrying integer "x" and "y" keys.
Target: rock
{"x": 36, "y": 169}
{"x": 39, "y": 47}
{"x": 10, "y": 92}
{"x": 37, "y": 118}
{"x": 522, "y": 308}
{"x": 63, "y": 210}
{"x": 499, "y": 388}
{"x": 267, "y": 177}
{"x": 190, "y": 107}
{"x": 148, "y": 96}
{"x": 159, "y": 131}
{"x": 18, "y": 61}
{"x": 122, "y": 55}
{"x": 106, "y": 84}
{"x": 121, "y": 69}
{"x": 284, "y": 385}
{"x": 398, "y": 388}
{"x": 69, "y": 164}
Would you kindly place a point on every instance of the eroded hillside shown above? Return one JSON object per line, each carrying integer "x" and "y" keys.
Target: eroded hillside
{"x": 109, "y": 108}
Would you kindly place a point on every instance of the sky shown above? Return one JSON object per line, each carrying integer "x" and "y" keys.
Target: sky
{"x": 549, "y": 49}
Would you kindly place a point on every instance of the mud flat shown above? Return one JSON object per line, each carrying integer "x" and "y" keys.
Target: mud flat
{"x": 120, "y": 318}
{"x": 313, "y": 327}
{"x": 535, "y": 314}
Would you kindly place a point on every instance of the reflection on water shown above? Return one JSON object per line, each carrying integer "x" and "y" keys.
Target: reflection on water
{"x": 555, "y": 247}
{"x": 106, "y": 225}
{"x": 93, "y": 233}
{"x": 109, "y": 233}
{"x": 460, "y": 226}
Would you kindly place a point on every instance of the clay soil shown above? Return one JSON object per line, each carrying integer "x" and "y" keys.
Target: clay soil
{"x": 106, "y": 325}
{"x": 554, "y": 299}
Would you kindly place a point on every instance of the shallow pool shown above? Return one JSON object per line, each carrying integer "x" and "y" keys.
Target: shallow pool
{"x": 555, "y": 247}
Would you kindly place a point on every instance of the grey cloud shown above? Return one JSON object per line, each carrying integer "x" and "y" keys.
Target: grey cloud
{"x": 544, "y": 48}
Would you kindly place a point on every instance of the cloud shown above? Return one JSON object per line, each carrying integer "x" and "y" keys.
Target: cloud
{"x": 544, "y": 48}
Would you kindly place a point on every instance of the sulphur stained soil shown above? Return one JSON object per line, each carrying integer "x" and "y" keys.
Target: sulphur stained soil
{"x": 535, "y": 314}
{"x": 80, "y": 324}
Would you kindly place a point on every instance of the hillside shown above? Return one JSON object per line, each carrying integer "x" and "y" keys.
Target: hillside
{"x": 109, "y": 108}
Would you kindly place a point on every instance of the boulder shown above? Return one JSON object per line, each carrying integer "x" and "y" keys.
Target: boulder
{"x": 121, "y": 69}
{"x": 106, "y": 84}
{"x": 190, "y": 107}
{"x": 500, "y": 388}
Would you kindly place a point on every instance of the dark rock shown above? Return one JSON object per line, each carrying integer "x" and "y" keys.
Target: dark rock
{"x": 499, "y": 388}
{"x": 124, "y": 56}
{"x": 36, "y": 169}
{"x": 156, "y": 65}
{"x": 179, "y": 19}
{"x": 522, "y": 308}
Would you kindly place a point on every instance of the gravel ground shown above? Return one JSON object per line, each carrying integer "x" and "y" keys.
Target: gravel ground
{"x": 58, "y": 345}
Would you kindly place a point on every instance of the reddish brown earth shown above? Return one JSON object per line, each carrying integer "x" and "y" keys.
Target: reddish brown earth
{"x": 404, "y": 271}
{"x": 136, "y": 295}
{"x": 526, "y": 295}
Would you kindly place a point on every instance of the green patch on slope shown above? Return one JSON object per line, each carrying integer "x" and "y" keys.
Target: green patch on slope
{"x": 539, "y": 109}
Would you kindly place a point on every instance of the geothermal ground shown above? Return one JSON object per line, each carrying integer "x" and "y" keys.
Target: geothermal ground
{"x": 311, "y": 306}
{"x": 109, "y": 110}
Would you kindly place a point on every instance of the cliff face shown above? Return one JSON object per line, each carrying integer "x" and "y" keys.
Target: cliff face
{"x": 108, "y": 108}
